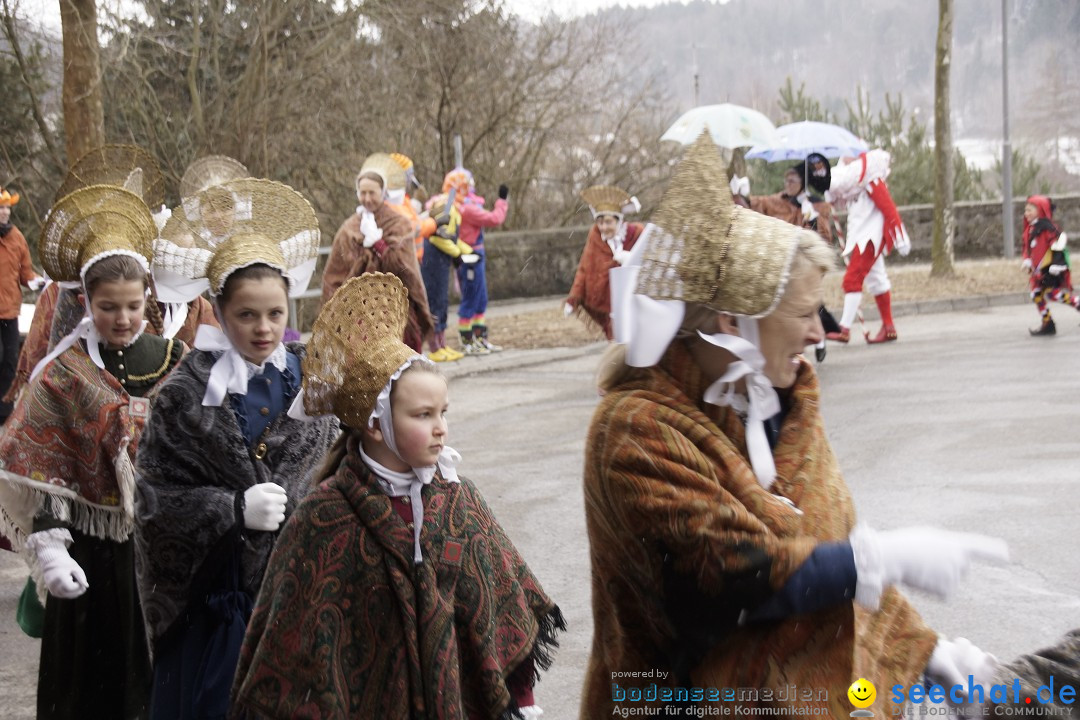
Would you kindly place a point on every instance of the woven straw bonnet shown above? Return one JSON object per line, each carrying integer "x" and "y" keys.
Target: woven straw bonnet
{"x": 356, "y": 347}
{"x": 605, "y": 199}
{"x": 93, "y": 223}
{"x": 705, "y": 249}
{"x": 266, "y": 222}
{"x": 127, "y": 166}
{"x": 209, "y": 171}
{"x": 387, "y": 168}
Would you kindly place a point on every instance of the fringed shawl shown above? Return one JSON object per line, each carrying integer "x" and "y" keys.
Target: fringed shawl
{"x": 192, "y": 464}
{"x": 67, "y": 450}
{"x": 679, "y": 526}
{"x": 348, "y": 627}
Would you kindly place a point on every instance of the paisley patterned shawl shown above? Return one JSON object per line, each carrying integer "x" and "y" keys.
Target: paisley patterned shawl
{"x": 191, "y": 466}
{"x": 68, "y": 450}
{"x": 347, "y": 627}
{"x": 670, "y": 494}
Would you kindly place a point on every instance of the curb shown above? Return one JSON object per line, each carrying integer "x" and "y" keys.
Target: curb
{"x": 518, "y": 359}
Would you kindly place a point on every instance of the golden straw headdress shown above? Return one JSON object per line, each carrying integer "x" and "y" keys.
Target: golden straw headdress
{"x": 702, "y": 248}
{"x": 237, "y": 224}
{"x": 209, "y": 171}
{"x": 93, "y": 223}
{"x": 356, "y": 347}
{"x": 387, "y": 168}
{"x": 605, "y": 199}
{"x": 128, "y": 166}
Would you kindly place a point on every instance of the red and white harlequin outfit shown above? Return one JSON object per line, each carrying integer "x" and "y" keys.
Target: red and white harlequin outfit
{"x": 874, "y": 229}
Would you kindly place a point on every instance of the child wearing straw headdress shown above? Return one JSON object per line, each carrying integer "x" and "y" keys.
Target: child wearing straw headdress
{"x": 67, "y": 482}
{"x": 376, "y": 238}
{"x": 392, "y": 593}
{"x": 608, "y": 245}
{"x": 223, "y": 465}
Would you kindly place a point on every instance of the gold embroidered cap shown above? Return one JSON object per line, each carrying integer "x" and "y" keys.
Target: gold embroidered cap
{"x": 209, "y": 171}
{"x": 702, "y": 248}
{"x": 356, "y": 347}
{"x": 240, "y": 223}
{"x": 387, "y": 168}
{"x": 605, "y": 199}
{"x": 128, "y": 166}
{"x": 93, "y": 223}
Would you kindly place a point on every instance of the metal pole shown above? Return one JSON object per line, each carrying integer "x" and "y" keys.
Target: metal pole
{"x": 1006, "y": 146}
{"x": 696, "y": 100}
{"x": 458, "y": 160}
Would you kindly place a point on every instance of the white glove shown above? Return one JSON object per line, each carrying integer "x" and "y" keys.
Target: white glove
{"x": 902, "y": 242}
{"x": 531, "y": 712}
{"x": 470, "y": 258}
{"x": 621, "y": 256}
{"x": 1057, "y": 269}
{"x": 63, "y": 576}
{"x": 1026, "y": 265}
{"x": 370, "y": 229}
{"x": 567, "y": 309}
{"x": 739, "y": 185}
{"x": 953, "y": 661}
{"x": 927, "y": 559}
{"x": 36, "y": 283}
{"x": 264, "y": 507}
{"x": 808, "y": 211}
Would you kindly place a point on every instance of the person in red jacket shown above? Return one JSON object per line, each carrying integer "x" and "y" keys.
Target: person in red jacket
{"x": 608, "y": 246}
{"x": 1046, "y": 260}
{"x": 15, "y": 270}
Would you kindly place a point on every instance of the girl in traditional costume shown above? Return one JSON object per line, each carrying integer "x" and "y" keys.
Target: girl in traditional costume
{"x": 1046, "y": 259}
{"x": 722, "y": 536}
{"x": 393, "y": 592}
{"x": 608, "y": 246}
{"x": 379, "y": 239}
{"x": 223, "y": 465}
{"x": 67, "y": 483}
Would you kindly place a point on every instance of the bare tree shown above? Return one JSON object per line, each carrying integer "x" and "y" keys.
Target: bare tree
{"x": 84, "y": 111}
{"x": 944, "y": 221}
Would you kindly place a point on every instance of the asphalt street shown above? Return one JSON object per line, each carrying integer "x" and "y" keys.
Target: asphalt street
{"x": 965, "y": 423}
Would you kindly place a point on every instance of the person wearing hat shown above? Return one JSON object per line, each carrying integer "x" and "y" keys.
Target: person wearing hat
{"x": 222, "y": 465}
{"x": 393, "y": 592}
{"x": 722, "y": 537}
{"x": 377, "y": 238}
{"x": 67, "y": 481}
{"x": 400, "y": 200}
{"x": 15, "y": 270}
{"x": 874, "y": 229}
{"x": 1046, "y": 260}
{"x": 472, "y": 325}
{"x": 607, "y": 246}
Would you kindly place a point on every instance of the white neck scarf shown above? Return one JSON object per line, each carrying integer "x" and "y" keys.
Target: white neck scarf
{"x": 230, "y": 372}
{"x": 760, "y": 402}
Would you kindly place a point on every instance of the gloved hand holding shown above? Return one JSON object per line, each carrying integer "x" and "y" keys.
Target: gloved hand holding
{"x": 264, "y": 507}
{"x": 1057, "y": 269}
{"x": 471, "y": 258}
{"x": 504, "y": 192}
{"x": 927, "y": 559}
{"x": 63, "y": 576}
{"x": 36, "y": 283}
{"x": 954, "y": 660}
{"x": 902, "y": 242}
{"x": 567, "y": 309}
{"x": 1026, "y": 264}
{"x": 739, "y": 185}
{"x": 621, "y": 256}
{"x": 370, "y": 229}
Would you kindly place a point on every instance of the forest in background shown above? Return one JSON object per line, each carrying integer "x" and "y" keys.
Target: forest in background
{"x": 301, "y": 90}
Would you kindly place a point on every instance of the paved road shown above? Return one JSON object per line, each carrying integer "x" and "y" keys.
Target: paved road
{"x": 965, "y": 423}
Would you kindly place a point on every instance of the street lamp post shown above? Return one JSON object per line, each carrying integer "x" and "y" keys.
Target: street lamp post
{"x": 1006, "y": 146}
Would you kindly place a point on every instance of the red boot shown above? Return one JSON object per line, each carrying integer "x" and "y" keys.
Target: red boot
{"x": 843, "y": 336}
{"x": 887, "y": 333}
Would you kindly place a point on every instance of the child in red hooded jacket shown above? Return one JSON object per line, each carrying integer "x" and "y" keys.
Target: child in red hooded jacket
{"x": 1046, "y": 259}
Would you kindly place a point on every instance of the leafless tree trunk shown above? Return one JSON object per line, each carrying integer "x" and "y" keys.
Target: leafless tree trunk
{"x": 12, "y": 35}
{"x": 84, "y": 113}
{"x": 944, "y": 221}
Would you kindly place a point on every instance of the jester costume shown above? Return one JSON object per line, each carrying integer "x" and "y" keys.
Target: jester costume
{"x": 1046, "y": 254}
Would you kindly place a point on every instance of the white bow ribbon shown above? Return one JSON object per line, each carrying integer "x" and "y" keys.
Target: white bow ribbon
{"x": 229, "y": 373}
{"x": 761, "y": 401}
{"x": 173, "y": 319}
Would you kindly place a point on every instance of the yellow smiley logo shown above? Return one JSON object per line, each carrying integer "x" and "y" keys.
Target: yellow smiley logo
{"x": 862, "y": 693}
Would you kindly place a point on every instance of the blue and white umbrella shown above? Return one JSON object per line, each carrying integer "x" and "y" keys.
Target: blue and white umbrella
{"x": 797, "y": 140}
